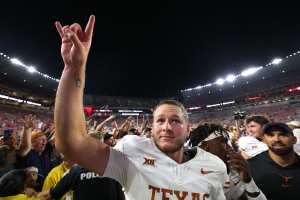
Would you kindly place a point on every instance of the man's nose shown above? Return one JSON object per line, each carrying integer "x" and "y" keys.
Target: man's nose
{"x": 167, "y": 125}
{"x": 276, "y": 137}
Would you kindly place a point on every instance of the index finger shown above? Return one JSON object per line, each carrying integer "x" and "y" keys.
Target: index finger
{"x": 90, "y": 26}
{"x": 59, "y": 28}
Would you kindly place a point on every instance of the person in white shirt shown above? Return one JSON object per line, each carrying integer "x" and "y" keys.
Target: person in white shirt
{"x": 154, "y": 168}
{"x": 295, "y": 126}
{"x": 252, "y": 145}
{"x": 215, "y": 139}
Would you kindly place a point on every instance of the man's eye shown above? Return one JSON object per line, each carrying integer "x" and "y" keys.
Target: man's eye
{"x": 160, "y": 120}
{"x": 175, "y": 121}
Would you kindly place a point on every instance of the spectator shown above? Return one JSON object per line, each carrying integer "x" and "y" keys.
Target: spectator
{"x": 13, "y": 186}
{"x": 39, "y": 156}
{"x": 55, "y": 175}
{"x": 86, "y": 185}
{"x": 21, "y": 148}
{"x": 215, "y": 139}
{"x": 10, "y": 138}
{"x": 295, "y": 126}
{"x": 32, "y": 177}
{"x": 276, "y": 171}
{"x": 109, "y": 139}
{"x": 7, "y": 159}
{"x": 252, "y": 144}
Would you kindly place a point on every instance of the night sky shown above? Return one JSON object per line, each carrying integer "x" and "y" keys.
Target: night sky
{"x": 152, "y": 49}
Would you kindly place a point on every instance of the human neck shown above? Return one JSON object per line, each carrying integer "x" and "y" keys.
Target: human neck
{"x": 178, "y": 156}
{"x": 284, "y": 160}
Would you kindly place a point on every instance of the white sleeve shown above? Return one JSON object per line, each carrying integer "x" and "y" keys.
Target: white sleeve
{"x": 120, "y": 167}
{"x": 242, "y": 143}
{"x": 117, "y": 166}
{"x": 234, "y": 191}
{"x": 251, "y": 189}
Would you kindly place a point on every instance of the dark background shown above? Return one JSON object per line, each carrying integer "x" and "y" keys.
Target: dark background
{"x": 153, "y": 49}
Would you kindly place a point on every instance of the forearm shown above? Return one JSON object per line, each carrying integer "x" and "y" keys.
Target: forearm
{"x": 69, "y": 115}
{"x": 71, "y": 134}
{"x": 25, "y": 146}
{"x": 64, "y": 185}
{"x": 101, "y": 125}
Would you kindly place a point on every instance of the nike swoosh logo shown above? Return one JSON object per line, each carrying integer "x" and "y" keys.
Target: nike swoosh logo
{"x": 204, "y": 172}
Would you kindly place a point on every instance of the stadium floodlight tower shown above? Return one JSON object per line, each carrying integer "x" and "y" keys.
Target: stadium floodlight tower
{"x": 16, "y": 61}
{"x": 230, "y": 78}
{"x": 220, "y": 81}
{"x": 250, "y": 71}
{"x": 31, "y": 69}
{"x": 276, "y": 61}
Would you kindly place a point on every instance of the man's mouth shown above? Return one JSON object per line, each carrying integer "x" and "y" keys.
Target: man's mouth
{"x": 167, "y": 138}
{"x": 278, "y": 146}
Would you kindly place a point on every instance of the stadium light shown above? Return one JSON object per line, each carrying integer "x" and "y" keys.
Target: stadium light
{"x": 31, "y": 69}
{"x": 10, "y": 98}
{"x": 220, "y": 81}
{"x": 250, "y": 71}
{"x": 276, "y": 61}
{"x": 33, "y": 103}
{"x": 194, "y": 108}
{"x": 16, "y": 61}
{"x": 230, "y": 78}
{"x": 220, "y": 104}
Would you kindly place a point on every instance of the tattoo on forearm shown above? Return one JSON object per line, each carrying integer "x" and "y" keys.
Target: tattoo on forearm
{"x": 78, "y": 82}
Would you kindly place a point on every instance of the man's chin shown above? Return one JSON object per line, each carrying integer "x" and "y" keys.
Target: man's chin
{"x": 281, "y": 151}
{"x": 168, "y": 147}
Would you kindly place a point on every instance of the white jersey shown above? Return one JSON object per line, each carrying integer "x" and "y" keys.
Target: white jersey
{"x": 235, "y": 188}
{"x": 147, "y": 173}
{"x": 251, "y": 146}
{"x": 296, "y": 132}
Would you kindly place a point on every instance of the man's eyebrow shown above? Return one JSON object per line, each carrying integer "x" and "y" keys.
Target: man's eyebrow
{"x": 162, "y": 115}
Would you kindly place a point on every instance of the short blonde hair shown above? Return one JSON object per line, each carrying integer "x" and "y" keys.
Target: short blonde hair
{"x": 37, "y": 134}
{"x": 173, "y": 103}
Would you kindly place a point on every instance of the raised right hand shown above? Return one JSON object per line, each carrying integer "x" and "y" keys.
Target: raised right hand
{"x": 75, "y": 43}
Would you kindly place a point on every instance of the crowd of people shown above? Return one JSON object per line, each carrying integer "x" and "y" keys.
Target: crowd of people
{"x": 28, "y": 151}
{"x": 69, "y": 156}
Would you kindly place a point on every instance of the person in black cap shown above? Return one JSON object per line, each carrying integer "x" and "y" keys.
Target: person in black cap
{"x": 277, "y": 171}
